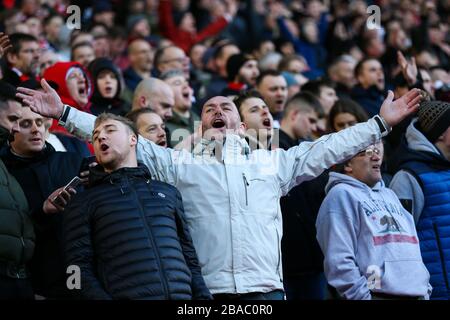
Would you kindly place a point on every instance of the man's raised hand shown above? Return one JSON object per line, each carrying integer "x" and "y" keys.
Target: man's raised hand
{"x": 393, "y": 112}
{"x": 47, "y": 103}
{"x": 4, "y": 44}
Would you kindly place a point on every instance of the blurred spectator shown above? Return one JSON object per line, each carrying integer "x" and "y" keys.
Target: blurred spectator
{"x": 182, "y": 29}
{"x": 83, "y": 53}
{"x": 107, "y": 82}
{"x": 140, "y": 54}
{"x": 242, "y": 72}
{"x": 273, "y": 87}
{"x": 22, "y": 59}
{"x": 369, "y": 92}
{"x": 183, "y": 117}
{"x": 344, "y": 114}
{"x": 47, "y": 58}
{"x": 342, "y": 72}
{"x": 172, "y": 58}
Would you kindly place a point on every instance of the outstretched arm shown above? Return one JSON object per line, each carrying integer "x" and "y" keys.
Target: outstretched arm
{"x": 81, "y": 124}
{"x": 310, "y": 159}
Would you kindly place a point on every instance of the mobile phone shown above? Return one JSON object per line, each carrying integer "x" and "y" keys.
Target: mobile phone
{"x": 72, "y": 184}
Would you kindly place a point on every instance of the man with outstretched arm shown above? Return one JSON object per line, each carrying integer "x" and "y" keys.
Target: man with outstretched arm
{"x": 230, "y": 194}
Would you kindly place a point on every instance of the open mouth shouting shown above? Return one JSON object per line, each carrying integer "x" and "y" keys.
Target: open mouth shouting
{"x": 267, "y": 123}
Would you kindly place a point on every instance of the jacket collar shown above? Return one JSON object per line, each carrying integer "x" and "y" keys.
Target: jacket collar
{"x": 97, "y": 174}
{"x": 232, "y": 146}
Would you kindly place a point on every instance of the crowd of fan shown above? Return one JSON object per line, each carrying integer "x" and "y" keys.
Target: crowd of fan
{"x": 305, "y": 91}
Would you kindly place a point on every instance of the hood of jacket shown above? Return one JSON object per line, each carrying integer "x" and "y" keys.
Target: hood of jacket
{"x": 416, "y": 147}
{"x": 56, "y": 76}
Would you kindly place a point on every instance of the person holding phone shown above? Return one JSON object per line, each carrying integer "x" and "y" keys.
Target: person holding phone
{"x": 43, "y": 175}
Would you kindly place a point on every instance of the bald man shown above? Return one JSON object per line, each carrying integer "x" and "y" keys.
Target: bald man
{"x": 231, "y": 194}
{"x": 155, "y": 94}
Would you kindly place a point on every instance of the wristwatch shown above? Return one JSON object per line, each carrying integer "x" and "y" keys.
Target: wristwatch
{"x": 62, "y": 120}
{"x": 382, "y": 124}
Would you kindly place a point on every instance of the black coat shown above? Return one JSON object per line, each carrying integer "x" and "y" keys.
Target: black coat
{"x": 39, "y": 177}
{"x": 300, "y": 250}
{"x": 128, "y": 235}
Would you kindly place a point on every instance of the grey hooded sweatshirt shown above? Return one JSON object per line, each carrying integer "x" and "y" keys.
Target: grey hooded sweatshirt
{"x": 369, "y": 242}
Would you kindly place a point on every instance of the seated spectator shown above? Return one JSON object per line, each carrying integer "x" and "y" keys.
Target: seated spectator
{"x": 145, "y": 212}
{"x": 423, "y": 186}
{"x": 149, "y": 125}
{"x": 368, "y": 239}
{"x": 107, "y": 82}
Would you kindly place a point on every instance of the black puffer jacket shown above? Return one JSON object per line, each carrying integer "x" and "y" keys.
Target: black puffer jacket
{"x": 128, "y": 235}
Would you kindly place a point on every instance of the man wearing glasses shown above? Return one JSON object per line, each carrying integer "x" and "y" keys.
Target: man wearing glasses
{"x": 368, "y": 239}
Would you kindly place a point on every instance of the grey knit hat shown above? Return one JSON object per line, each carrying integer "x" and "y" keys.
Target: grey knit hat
{"x": 434, "y": 118}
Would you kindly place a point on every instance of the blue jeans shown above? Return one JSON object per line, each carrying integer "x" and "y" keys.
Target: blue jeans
{"x": 272, "y": 295}
{"x": 306, "y": 287}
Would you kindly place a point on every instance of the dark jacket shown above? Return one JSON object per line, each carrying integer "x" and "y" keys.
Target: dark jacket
{"x": 370, "y": 99}
{"x": 300, "y": 251}
{"x": 129, "y": 237}
{"x": 39, "y": 177}
{"x": 132, "y": 78}
{"x": 73, "y": 144}
{"x": 16, "y": 229}
{"x": 100, "y": 104}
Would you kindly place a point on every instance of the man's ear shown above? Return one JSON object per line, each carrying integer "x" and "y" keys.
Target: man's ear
{"x": 242, "y": 129}
{"x": 348, "y": 168}
{"x": 142, "y": 102}
{"x": 133, "y": 140}
{"x": 11, "y": 57}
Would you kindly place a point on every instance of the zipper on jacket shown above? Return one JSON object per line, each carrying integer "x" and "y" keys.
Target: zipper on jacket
{"x": 441, "y": 256}
{"x": 246, "y": 184}
{"x": 150, "y": 236}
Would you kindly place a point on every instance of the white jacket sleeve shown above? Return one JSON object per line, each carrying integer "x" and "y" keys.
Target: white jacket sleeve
{"x": 309, "y": 159}
{"x": 159, "y": 160}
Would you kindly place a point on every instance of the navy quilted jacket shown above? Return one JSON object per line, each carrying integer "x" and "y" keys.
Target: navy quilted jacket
{"x": 128, "y": 235}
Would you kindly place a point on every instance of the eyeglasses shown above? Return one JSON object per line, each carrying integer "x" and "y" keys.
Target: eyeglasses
{"x": 369, "y": 152}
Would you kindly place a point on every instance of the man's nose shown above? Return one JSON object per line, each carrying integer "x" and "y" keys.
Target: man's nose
{"x": 161, "y": 133}
{"x": 15, "y": 128}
